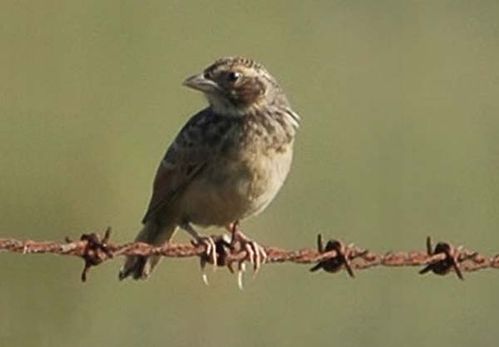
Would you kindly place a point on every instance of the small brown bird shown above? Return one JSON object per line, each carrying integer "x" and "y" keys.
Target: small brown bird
{"x": 226, "y": 164}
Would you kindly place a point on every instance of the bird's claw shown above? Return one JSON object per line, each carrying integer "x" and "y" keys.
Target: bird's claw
{"x": 209, "y": 255}
{"x": 254, "y": 253}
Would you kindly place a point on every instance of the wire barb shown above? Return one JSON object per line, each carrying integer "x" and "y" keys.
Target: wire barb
{"x": 95, "y": 251}
{"x": 340, "y": 256}
{"x": 331, "y": 257}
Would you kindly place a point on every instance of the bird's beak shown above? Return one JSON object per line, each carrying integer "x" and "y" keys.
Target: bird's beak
{"x": 201, "y": 83}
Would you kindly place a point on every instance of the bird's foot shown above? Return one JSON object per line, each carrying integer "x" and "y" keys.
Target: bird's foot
{"x": 209, "y": 255}
{"x": 210, "y": 249}
{"x": 254, "y": 253}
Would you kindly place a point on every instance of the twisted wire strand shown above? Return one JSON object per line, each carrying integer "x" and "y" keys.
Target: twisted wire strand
{"x": 331, "y": 256}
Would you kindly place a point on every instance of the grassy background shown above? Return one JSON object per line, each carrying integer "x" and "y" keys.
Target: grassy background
{"x": 400, "y": 106}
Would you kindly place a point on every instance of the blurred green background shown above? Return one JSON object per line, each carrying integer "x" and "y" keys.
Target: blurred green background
{"x": 400, "y": 105}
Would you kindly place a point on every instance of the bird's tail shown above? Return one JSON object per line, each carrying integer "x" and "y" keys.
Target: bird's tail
{"x": 140, "y": 267}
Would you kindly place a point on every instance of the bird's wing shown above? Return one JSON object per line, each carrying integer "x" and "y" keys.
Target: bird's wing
{"x": 184, "y": 160}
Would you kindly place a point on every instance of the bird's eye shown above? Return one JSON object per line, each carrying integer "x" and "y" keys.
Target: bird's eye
{"x": 233, "y": 76}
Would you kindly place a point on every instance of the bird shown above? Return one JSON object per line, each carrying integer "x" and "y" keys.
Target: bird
{"x": 226, "y": 164}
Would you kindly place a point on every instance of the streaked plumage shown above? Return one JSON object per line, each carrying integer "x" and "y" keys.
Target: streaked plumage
{"x": 227, "y": 163}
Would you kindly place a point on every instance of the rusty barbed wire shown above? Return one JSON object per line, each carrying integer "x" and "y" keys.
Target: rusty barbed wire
{"x": 332, "y": 257}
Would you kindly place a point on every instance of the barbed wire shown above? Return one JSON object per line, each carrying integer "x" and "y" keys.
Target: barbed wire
{"x": 332, "y": 256}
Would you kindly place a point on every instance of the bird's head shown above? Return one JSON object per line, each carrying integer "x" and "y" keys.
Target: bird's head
{"x": 235, "y": 86}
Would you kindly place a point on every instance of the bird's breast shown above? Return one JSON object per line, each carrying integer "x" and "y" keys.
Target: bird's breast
{"x": 238, "y": 186}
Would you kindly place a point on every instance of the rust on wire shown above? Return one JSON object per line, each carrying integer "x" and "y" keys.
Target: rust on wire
{"x": 95, "y": 252}
{"x": 332, "y": 256}
{"x": 339, "y": 256}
